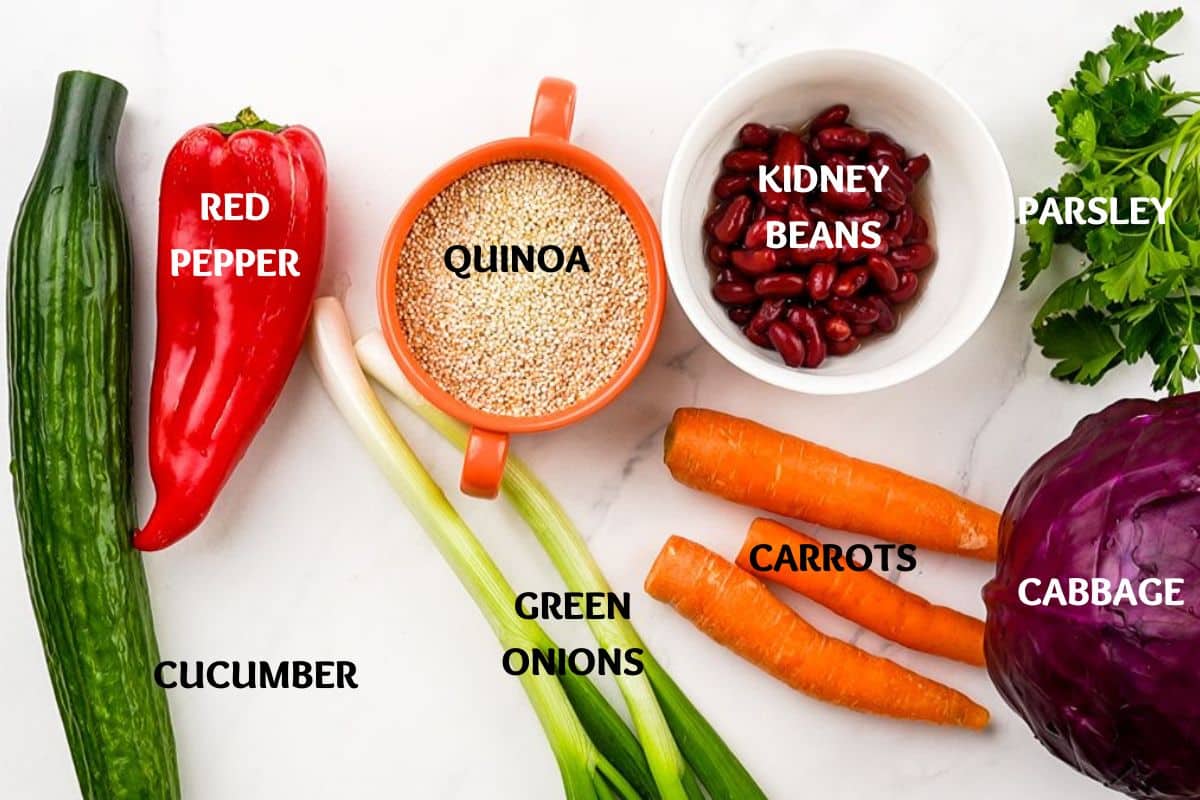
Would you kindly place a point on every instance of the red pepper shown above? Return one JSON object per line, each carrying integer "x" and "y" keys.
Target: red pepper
{"x": 227, "y": 342}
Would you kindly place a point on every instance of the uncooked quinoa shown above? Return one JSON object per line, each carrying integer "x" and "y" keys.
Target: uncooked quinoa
{"x": 522, "y": 343}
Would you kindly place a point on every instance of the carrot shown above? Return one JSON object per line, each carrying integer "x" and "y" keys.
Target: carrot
{"x": 739, "y": 612}
{"x": 864, "y": 597}
{"x": 752, "y": 464}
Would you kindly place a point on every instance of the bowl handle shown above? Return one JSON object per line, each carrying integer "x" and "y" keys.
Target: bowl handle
{"x": 553, "y": 109}
{"x": 483, "y": 463}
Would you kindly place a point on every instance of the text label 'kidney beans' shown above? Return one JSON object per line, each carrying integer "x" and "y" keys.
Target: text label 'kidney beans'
{"x": 807, "y": 303}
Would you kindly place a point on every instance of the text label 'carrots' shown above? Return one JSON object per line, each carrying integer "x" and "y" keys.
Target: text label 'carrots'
{"x": 864, "y": 597}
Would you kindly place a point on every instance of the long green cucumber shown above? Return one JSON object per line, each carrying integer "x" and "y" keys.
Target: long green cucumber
{"x": 69, "y": 286}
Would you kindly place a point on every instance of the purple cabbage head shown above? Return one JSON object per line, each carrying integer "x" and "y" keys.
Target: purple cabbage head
{"x": 1112, "y": 690}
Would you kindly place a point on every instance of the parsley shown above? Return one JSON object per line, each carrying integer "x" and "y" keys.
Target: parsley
{"x": 1125, "y": 134}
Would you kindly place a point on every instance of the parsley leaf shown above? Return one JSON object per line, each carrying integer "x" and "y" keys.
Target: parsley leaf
{"x": 1083, "y": 343}
{"x": 1137, "y": 291}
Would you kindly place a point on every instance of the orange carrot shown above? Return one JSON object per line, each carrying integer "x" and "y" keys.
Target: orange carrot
{"x": 864, "y": 597}
{"x": 752, "y": 464}
{"x": 738, "y": 611}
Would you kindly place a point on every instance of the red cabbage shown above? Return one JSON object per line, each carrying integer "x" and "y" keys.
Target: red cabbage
{"x": 1112, "y": 690}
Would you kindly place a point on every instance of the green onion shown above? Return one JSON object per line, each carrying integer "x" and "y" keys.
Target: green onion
{"x": 665, "y": 720}
{"x": 586, "y": 772}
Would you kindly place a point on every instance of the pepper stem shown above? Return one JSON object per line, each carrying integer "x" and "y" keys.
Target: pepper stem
{"x": 247, "y": 120}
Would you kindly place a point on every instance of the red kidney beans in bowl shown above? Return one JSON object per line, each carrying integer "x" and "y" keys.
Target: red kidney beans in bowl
{"x": 822, "y": 298}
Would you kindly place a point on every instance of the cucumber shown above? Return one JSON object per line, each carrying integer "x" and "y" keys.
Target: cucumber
{"x": 69, "y": 286}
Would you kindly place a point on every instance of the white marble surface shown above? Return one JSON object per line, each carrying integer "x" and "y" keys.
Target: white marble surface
{"x": 308, "y": 554}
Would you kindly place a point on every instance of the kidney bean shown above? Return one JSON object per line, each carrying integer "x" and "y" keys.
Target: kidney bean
{"x": 890, "y": 197}
{"x": 789, "y": 151}
{"x": 876, "y": 215}
{"x": 913, "y": 257}
{"x": 755, "y": 262}
{"x": 895, "y": 176}
{"x": 844, "y": 347}
{"x": 734, "y": 292}
{"x": 902, "y": 221}
{"x": 822, "y": 213}
{"x": 729, "y": 185}
{"x": 787, "y": 284}
{"x": 839, "y": 161}
{"x": 787, "y": 343}
{"x": 907, "y": 288}
{"x": 862, "y": 329}
{"x": 847, "y": 201}
{"x": 919, "y": 232}
{"x": 816, "y": 152}
{"x": 755, "y": 135}
{"x": 805, "y": 323}
{"x": 768, "y": 311}
{"x": 879, "y": 143}
{"x": 834, "y": 115}
{"x": 740, "y": 315}
{"x": 759, "y": 211}
{"x": 887, "y": 317}
{"x": 745, "y": 161}
{"x": 710, "y": 221}
{"x": 801, "y": 256}
{"x": 820, "y": 313}
{"x": 728, "y": 274}
{"x": 798, "y": 212}
{"x": 717, "y": 254}
{"x": 892, "y": 240}
{"x": 883, "y": 273}
{"x": 820, "y": 280}
{"x": 852, "y": 255}
{"x": 837, "y": 329}
{"x": 756, "y": 234}
{"x": 855, "y": 311}
{"x": 916, "y": 167}
{"x": 850, "y": 281}
{"x": 773, "y": 200}
{"x": 728, "y": 226}
{"x": 844, "y": 138}
{"x": 757, "y": 337}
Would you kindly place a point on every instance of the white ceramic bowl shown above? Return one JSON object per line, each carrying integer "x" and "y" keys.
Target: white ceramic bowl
{"x": 966, "y": 196}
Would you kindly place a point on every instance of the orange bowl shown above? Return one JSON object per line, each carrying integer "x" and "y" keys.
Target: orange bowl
{"x": 549, "y": 130}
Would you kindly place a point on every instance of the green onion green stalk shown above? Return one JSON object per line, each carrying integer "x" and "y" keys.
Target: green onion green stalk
{"x": 577, "y": 720}
{"x": 679, "y": 743}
